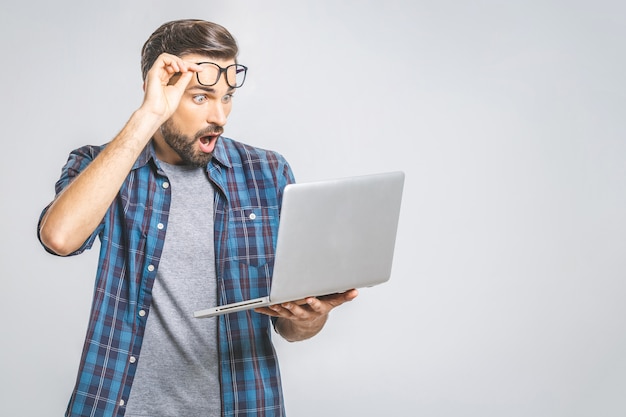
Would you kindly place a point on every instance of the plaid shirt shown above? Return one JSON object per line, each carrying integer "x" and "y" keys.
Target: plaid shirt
{"x": 248, "y": 185}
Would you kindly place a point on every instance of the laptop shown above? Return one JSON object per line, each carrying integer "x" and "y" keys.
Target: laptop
{"x": 333, "y": 235}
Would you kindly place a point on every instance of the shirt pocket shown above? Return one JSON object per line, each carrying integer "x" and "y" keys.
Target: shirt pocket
{"x": 253, "y": 232}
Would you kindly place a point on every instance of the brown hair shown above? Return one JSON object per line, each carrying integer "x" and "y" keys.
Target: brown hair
{"x": 189, "y": 36}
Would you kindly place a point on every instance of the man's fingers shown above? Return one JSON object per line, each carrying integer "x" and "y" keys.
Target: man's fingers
{"x": 168, "y": 66}
{"x": 180, "y": 79}
{"x": 309, "y": 308}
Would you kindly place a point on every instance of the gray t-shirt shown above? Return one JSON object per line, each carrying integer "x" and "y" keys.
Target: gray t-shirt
{"x": 177, "y": 369}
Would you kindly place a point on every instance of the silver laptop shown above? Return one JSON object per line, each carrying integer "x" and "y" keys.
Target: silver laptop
{"x": 334, "y": 235}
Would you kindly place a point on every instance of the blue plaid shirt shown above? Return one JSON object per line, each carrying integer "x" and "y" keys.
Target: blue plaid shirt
{"x": 248, "y": 185}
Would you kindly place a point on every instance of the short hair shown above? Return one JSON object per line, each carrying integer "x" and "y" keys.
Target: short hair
{"x": 188, "y": 36}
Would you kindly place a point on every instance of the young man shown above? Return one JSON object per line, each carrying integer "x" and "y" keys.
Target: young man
{"x": 187, "y": 218}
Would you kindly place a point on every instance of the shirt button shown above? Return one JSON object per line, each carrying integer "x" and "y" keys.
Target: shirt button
{"x": 142, "y": 313}
{"x": 165, "y": 184}
{"x": 132, "y": 359}
{"x": 122, "y": 403}
{"x": 252, "y": 216}
{"x": 160, "y": 226}
{"x": 150, "y": 268}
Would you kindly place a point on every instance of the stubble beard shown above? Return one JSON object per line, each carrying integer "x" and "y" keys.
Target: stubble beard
{"x": 185, "y": 146}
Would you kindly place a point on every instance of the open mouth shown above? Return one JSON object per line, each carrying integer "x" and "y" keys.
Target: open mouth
{"x": 207, "y": 143}
{"x": 208, "y": 137}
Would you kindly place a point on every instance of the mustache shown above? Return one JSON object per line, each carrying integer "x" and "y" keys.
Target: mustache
{"x": 211, "y": 130}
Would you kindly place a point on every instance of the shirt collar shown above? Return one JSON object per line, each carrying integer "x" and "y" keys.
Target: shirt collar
{"x": 220, "y": 154}
{"x": 145, "y": 156}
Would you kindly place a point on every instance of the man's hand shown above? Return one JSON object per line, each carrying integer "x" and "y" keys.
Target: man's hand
{"x": 303, "y": 319}
{"x": 165, "y": 84}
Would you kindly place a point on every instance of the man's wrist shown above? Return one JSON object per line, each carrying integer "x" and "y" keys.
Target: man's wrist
{"x": 293, "y": 331}
{"x": 144, "y": 116}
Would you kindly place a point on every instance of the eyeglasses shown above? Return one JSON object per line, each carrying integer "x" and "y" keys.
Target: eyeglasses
{"x": 235, "y": 74}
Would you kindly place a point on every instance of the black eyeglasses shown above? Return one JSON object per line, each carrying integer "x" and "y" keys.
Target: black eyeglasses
{"x": 235, "y": 74}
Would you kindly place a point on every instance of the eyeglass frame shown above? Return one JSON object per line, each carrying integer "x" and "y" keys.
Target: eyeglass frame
{"x": 222, "y": 71}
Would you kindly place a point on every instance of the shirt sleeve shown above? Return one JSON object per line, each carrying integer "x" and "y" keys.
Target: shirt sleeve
{"x": 77, "y": 161}
{"x": 286, "y": 177}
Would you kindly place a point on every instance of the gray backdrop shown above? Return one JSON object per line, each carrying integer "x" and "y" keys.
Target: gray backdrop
{"x": 507, "y": 293}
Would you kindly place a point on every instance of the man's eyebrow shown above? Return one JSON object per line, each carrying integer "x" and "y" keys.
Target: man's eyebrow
{"x": 203, "y": 88}
{"x": 208, "y": 89}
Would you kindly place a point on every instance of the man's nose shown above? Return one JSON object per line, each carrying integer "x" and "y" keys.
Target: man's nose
{"x": 217, "y": 114}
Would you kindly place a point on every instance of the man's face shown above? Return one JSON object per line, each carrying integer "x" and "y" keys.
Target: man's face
{"x": 189, "y": 136}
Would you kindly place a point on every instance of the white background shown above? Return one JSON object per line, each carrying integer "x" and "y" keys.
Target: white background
{"x": 508, "y": 287}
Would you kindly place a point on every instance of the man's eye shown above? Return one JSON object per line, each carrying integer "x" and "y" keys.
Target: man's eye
{"x": 199, "y": 99}
{"x": 227, "y": 98}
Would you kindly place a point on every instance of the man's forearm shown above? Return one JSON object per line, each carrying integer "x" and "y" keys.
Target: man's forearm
{"x": 78, "y": 210}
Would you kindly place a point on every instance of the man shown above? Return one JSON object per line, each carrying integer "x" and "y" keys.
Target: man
{"x": 187, "y": 218}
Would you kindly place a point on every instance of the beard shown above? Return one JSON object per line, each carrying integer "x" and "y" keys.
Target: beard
{"x": 185, "y": 146}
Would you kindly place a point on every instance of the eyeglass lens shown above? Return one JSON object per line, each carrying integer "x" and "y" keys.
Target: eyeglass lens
{"x": 210, "y": 75}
